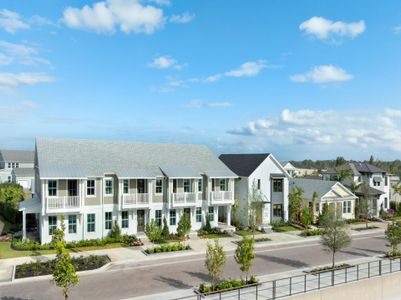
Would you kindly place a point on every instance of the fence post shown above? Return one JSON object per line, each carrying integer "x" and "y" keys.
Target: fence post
{"x": 305, "y": 283}
{"x": 368, "y": 269}
{"x": 257, "y": 291}
{"x": 318, "y": 281}
{"x": 332, "y": 277}
{"x": 239, "y": 293}
{"x": 274, "y": 290}
{"x": 380, "y": 267}
{"x": 357, "y": 272}
{"x": 290, "y": 286}
{"x": 391, "y": 265}
{"x": 346, "y": 275}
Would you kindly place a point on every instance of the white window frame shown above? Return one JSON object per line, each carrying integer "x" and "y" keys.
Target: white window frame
{"x": 72, "y": 225}
{"x": 94, "y": 188}
{"x": 9, "y": 165}
{"x": 159, "y": 218}
{"x": 347, "y": 207}
{"x": 108, "y": 222}
{"x": 158, "y": 186}
{"x": 91, "y": 223}
{"x": 52, "y": 227}
{"x": 105, "y": 186}
{"x": 282, "y": 185}
{"x": 211, "y": 219}
{"x": 128, "y": 186}
{"x": 197, "y": 214}
{"x": 56, "y": 188}
{"x": 189, "y": 185}
{"x": 124, "y": 219}
{"x": 223, "y": 182}
{"x": 200, "y": 185}
{"x": 171, "y": 217}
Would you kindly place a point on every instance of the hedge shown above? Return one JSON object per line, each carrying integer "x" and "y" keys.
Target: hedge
{"x": 168, "y": 248}
{"x": 226, "y": 284}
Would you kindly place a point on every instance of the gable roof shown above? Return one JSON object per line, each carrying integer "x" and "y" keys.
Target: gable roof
{"x": 20, "y": 156}
{"x": 59, "y": 158}
{"x": 357, "y": 168}
{"x": 321, "y": 187}
{"x": 243, "y": 164}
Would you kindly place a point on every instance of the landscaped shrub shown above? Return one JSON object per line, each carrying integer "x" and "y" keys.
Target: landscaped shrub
{"x": 45, "y": 268}
{"x": 261, "y": 240}
{"x": 130, "y": 240}
{"x": 312, "y": 232}
{"x": 206, "y": 231}
{"x": 226, "y": 284}
{"x": 168, "y": 248}
{"x": 115, "y": 232}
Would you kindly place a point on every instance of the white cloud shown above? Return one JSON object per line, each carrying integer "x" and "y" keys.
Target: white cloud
{"x": 182, "y": 19}
{"x": 20, "y": 53}
{"x": 397, "y": 29}
{"x": 14, "y": 80}
{"x": 252, "y": 128}
{"x": 11, "y": 21}
{"x": 198, "y": 104}
{"x": 248, "y": 69}
{"x": 166, "y": 62}
{"x": 323, "y": 29}
{"x": 161, "y": 2}
{"x": 323, "y": 74}
{"x": 130, "y": 16}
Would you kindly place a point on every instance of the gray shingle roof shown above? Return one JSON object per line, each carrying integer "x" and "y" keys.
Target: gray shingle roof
{"x": 86, "y": 158}
{"x": 243, "y": 164}
{"x": 309, "y": 186}
{"x": 356, "y": 168}
{"x": 24, "y": 172}
{"x": 17, "y": 156}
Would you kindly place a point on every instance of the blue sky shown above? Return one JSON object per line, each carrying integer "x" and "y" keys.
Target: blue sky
{"x": 301, "y": 79}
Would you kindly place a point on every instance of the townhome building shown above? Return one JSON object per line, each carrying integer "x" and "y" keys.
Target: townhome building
{"x": 265, "y": 173}
{"x": 97, "y": 183}
{"x": 367, "y": 180}
{"x": 16, "y": 159}
{"x": 298, "y": 172}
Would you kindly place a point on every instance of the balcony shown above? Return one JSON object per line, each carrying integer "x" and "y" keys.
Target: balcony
{"x": 183, "y": 199}
{"x": 222, "y": 197}
{"x": 63, "y": 204}
{"x": 135, "y": 200}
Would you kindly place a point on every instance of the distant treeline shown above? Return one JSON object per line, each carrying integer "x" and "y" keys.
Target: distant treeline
{"x": 393, "y": 167}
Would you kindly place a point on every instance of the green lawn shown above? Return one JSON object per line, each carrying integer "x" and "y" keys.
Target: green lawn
{"x": 246, "y": 233}
{"x": 91, "y": 248}
{"x": 7, "y": 252}
{"x": 285, "y": 228}
{"x": 215, "y": 236}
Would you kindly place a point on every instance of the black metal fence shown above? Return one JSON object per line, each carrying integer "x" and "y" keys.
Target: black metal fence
{"x": 294, "y": 285}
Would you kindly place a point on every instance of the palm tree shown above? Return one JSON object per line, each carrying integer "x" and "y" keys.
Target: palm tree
{"x": 344, "y": 174}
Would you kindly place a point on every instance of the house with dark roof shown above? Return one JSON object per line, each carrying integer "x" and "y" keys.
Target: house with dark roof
{"x": 367, "y": 181}
{"x": 262, "y": 173}
{"x": 324, "y": 192}
{"x": 97, "y": 183}
{"x": 14, "y": 159}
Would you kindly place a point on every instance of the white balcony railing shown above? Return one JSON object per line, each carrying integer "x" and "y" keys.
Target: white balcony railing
{"x": 133, "y": 200}
{"x": 217, "y": 197}
{"x": 183, "y": 199}
{"x": 63, "y": 203}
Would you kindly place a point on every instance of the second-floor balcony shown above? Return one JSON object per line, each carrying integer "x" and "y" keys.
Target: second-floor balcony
{"x": 63, "y": 203}
{"x": 222, "y": 197}
{"x": 135, "y": 200}
{"x": 183, "y": 199}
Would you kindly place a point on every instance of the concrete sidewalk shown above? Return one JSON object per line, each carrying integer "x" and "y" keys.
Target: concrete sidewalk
{"x": 135, "y": 254}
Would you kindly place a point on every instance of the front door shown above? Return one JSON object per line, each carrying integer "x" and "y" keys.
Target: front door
{"x": 222, "y": 214}
{"x": 141, "y": 220}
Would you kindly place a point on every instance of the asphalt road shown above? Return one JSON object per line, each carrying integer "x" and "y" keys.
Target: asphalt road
{"x": 136, "y": 279}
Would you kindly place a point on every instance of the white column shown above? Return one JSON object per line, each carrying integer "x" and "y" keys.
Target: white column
{"x": 228, "y": 215}
{"x": 23, "y": 225}
{"x": 150, "y": 190}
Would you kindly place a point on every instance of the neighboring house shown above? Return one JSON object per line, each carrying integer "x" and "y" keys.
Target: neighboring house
{"x": 372, "y": 181}
{"x": 14, "y": 159}
{"x": 332, "y": 193}
{"x": 297, "y": 172}
{"x": 265, "y": 173}
{"x": 394, "y": 181}
{"x": 97, "y": 183}
{"x": 25, "y": 177}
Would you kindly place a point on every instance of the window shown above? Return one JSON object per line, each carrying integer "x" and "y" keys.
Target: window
{"x": 52, "y": 224}
{"x": 125, "y": 186}
{"x": 158, "y": 217}
{"x": 258, "y": 184}
{"x": 52, "y": 188}
{"x": 72, "y": 224}
{"x": 173, "y": 217}
{"x": 347, "y": 207}
{"x": 141, "y": 186}
{"x": 376, "y": 183}
{"x": 223, "y": 184}
{"x": 13, "y": 165}
{"x": 9, "y": 178}
{"x": 108, "y": 220}
{"x": 16, "y": 165}
{"x": 108, "y": 186}
{"x": 124, "y": 219}
{"x": 385, "y": 203}
{"x": 211, "y": 214}
{"x": 277, "y": 185}
{"x": 9, "y": 165}
{"x": 90, "y": 188}
{"x": 72, "y": 187}
{"x": 159, "y": 186}
{"x": 386, "y": 181}
{"x": 91, "y": 223}
{"x": 198, "y": 214}
{"x": 277, "y": 210}
{"x": 187, "y": 185}
{"x": 200, "y": 184}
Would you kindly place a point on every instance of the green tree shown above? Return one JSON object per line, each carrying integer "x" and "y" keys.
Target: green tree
{"x": 344, "y": 174}
{"x": 244, "y": 254}
{"x": 115, "y": 232}
{"x": 295, "y": 198}
{"x": 255, "y": 200}
{"x": 153, "y": 231}
{"x": 340, "y": 161}
{"x": 184, "y": 225}
{"x": 10, "y": 196}
{"x": 215, "y": 260}
{"x": 393, "y": 235}
{"x": 334, "y": 236}
{"x": 64, "y": 274}
{"x": 364, "y": 204}
{"x": 306, "y": 217}
{"x": 315, "y": 201}
{"x": 165, "y": 234}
